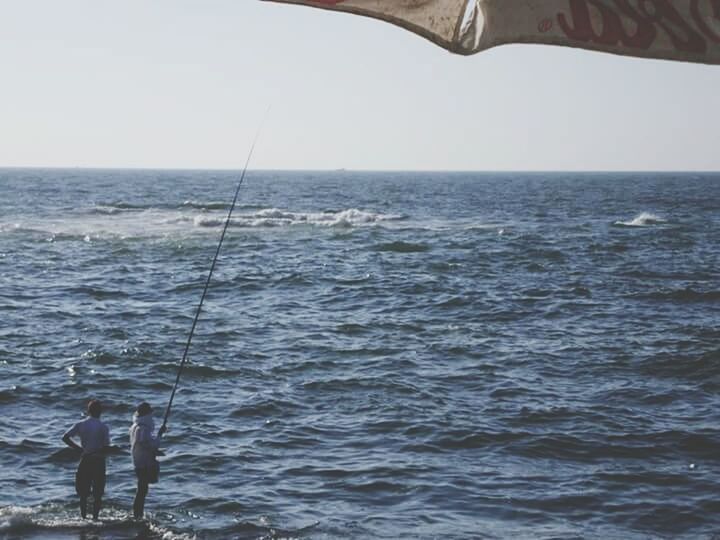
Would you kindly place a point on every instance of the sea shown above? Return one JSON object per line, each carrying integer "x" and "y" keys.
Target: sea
{"x": 380, "y": 355}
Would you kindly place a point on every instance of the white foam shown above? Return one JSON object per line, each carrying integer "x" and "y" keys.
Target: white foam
{"x": 107, "y": 210}
{"x": 15, "y": 519}
{"x": 210, "y": 205}
{"x": 163, "y": 223}
{"x": 91, "y": 227}
{"x": 276, "y": 217}
{"x": 643, "y": 220}
{"x": 9, "y": 227}
{"x": 169, "y": 535}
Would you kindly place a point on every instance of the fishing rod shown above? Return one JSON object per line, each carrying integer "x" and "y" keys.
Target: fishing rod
{"x": 210, "y": 273}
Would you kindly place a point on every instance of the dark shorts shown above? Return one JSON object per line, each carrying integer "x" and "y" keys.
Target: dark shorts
{"x": 143, "y": 474}
{"x": 90, "y": 476}
{"x": 148, "y": 475}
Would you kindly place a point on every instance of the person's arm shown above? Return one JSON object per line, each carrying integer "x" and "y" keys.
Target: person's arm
{"x": 67, "y": 438}
{"x": 155, "y": 439}
{"x": 161, "y": 432}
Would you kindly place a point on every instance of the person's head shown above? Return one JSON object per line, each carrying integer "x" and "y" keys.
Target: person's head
{"x": 94, "y": 408}
{"x": 144, "y": 409}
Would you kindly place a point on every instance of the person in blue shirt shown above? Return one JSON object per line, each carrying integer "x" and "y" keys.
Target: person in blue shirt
{"x": 94, "y": 444}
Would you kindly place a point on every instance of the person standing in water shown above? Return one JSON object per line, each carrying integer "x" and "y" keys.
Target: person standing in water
{"x": 144, "y": 447}
{"x": 94, "y": 442}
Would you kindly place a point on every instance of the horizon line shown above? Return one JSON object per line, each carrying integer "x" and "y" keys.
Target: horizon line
{"x": 341, "y": 169}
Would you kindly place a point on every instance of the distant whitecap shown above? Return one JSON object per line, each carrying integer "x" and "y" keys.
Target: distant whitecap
{"x": 645, "y": 219}
{"x": 275, "y": 217}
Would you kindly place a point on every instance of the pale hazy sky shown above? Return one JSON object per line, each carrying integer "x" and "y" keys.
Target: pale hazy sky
{"x": 185, "y": 83}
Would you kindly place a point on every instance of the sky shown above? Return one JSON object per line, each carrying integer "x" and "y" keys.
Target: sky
{"x": 186, "y": 84}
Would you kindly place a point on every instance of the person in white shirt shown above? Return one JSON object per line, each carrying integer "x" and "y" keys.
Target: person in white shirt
{"x": 145, "y": 446}
{"x": 94, "y": 442}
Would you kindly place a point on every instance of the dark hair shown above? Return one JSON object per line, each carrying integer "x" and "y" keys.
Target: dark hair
{"x": 144, "y": 409}
{"x": 94, "y": 407}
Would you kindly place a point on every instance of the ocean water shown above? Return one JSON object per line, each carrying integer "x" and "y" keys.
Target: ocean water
{"x": 381, "y": 355}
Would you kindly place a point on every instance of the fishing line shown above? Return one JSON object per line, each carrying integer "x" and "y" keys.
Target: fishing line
{"x": 212, "y": 268}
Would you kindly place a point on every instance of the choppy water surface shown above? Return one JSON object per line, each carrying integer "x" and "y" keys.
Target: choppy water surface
{"x": 381, "y": 355}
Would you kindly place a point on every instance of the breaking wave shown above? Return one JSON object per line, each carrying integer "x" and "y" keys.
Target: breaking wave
{"x": 275, "y": 217}
{"x": 53, "y": 520}
{"x": 217, "y": 205}
{"x": 113, "y": 223}
{"x": 645, "y": 219}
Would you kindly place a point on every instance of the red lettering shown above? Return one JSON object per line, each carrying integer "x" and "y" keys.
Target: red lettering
{"x": 613, "y": 32}
{"x": 680, "y": 32}
{"x": 645, "y": 34}
{"x": 615, "y": 16}
{"x": 580, "y": 14}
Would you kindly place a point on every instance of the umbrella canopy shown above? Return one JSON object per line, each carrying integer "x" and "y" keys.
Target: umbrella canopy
{"x": 685, "y": 30}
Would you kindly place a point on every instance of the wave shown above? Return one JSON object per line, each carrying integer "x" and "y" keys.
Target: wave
{"x": 8, "y": 395}
{"x": 266, "y": 408}
{"x": 643, "y": 220}
{"x": 25, "y": 446}
{"x": 53, "y": 520}
{"x": 402, "y": 247}
{"x": 97, "y": 293}
{"x": 275, "y": 217}
{"x": 352, "y": 329}
{"x": 121, "y": 205}
{"x": 78, "y": 230}
{"x": 117, "y": 207}
{"x": 213, "y": 205}
{"x": 681, "y": 296}
{"x": 643, "y": 273}
{"x": 17, "y": 228}
{"x": 704, "y": 368}
{"x": 116, "y": 224}
{"x": 201, "y": 370}
{"x": 247, "y": 529}
{"x": 106, "y": 210}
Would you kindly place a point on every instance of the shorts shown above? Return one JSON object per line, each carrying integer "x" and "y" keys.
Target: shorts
{"x": 90, "y": 476}
{"x": 148, "y": 475}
